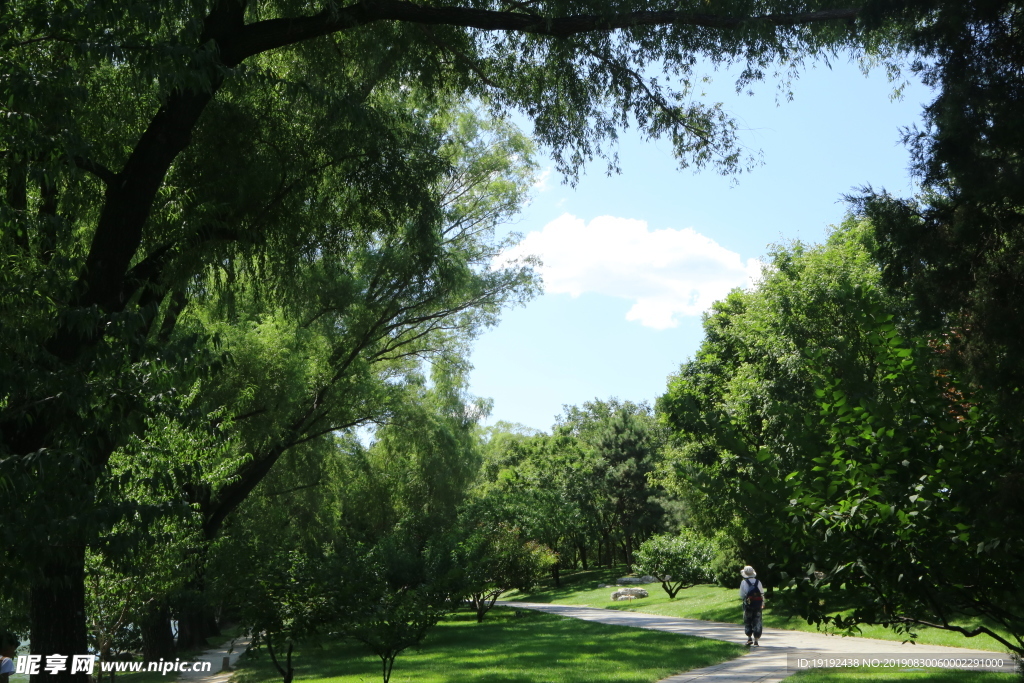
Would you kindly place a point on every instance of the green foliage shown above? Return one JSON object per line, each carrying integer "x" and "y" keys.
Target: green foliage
{"x": 584, "y": 487}
{"x": 678, "y": 561}
{"x": 279, "y": 211}
{"x": 311, "y": 246}
{"x": 352, "y": 539}
{"x": 291, "y": 596}
{"x": 873, "y": 477}
{"x": 387, "y": 596}
{"x": 536, "y": 484}
{"x": 740, "y": 407}
{"x": 627, "y": 443}
{"x": 727, "y": 560}
{"x": 905, "y": 510}
{"x": 955, "y": 249}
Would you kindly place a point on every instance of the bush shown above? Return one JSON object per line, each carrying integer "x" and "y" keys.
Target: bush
{"x": 497, "y": 559}
{"x": 678, "y": 561}
{"x": 727, "y": 561}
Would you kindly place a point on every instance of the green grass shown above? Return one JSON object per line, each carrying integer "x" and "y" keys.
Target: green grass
{"x": 713, "y": 603}
{"x": 515, "y": 646}
{"x": 917, "y": 675}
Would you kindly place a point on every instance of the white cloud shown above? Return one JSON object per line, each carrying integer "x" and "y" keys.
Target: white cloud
{"x": 666, "y": 273}
{"x": 541, "y": 183}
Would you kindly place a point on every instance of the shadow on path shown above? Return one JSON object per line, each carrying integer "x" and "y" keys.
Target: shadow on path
{"x": 232, "y": 649}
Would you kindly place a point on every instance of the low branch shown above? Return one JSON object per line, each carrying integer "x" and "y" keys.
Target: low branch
{"x": 459, "y": 56}
{"x": 318, "y": 481}
{"x": 275, "y": 33}
{"x": 969, "y": 633}
{"x": 664, "y": 105}
{"x": 97, "y": 169}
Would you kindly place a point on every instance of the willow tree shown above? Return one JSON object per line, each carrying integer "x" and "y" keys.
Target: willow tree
{"x": 147, "y": 145}
{"x": 340, "y": 340}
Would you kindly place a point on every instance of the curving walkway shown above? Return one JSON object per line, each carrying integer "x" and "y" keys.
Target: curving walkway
{"x": 232, "y": 649}
{"x": 767, "y": 663}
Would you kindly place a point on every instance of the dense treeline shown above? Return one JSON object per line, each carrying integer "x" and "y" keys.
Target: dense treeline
{"x": 583, "y": 490}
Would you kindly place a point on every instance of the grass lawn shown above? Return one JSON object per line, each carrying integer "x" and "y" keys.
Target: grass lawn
{"x": 513, "y": 646}
{"x": 908, "y": 675}
{"x": 713, "y": 603}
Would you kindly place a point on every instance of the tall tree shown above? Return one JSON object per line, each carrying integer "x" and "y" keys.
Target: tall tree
{"x": 741, "y": 408}
{"x": 955, "y": 249}
{"x": 549, "y": 487}
{"x": 627, "y": 444}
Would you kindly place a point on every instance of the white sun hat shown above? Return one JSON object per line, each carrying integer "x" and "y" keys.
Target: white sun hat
{"x": 748, "y": 572}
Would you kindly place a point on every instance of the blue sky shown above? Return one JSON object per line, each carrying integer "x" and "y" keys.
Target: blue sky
{"x": 633, "y": 259}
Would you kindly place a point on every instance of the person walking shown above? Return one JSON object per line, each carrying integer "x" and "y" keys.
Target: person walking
{"x": 752, "y": 596}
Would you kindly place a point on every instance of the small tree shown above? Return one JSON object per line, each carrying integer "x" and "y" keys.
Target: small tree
{"x": 110, "y": 599}
{"x": 496, "y": 560}
{"x": 403, "y": 592}
{"x": 679, "y": 561}
{"x": 291, "y": 598}
{"x": 398, "y": 619}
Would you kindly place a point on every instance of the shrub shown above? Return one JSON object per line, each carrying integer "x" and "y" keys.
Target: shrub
{"x": 678, "y": 561}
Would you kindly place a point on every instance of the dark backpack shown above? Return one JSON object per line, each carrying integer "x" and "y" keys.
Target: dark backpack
{"x": 754, "y": 600}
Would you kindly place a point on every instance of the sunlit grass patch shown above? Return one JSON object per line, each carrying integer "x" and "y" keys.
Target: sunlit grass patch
{"x": 714, "y": 603}
{"x": 511, "y": 645}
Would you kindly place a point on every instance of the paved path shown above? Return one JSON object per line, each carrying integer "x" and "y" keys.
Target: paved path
{"x": 232, "y": 649}
{"x": 764, "y": 664}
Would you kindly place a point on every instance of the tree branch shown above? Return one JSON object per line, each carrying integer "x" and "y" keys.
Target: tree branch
{"x": 97, "y": 169}
{"x": 671, "y": 111}
{"x": 293, "y": 489}
{"x": 274, "y": 33}
{"x": 969, "y": 633}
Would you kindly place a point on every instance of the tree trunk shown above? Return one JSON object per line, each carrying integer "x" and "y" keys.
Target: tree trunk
{"x": 477, "y": 601}
{"x": 157, "y": 639}
{"x": 582, "y": 548}
{"x": 57, "y": 614}
{"x": 212, "y": 626}
{"x": 196, "y": 622}
{"x": 194, "y": 628}
{"x": 287, "y": 672}
{"x": 556, "y": 574}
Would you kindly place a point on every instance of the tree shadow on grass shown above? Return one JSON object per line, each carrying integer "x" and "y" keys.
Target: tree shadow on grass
{"x": 519, "y": 647}
{"x": 571, "y": 584}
